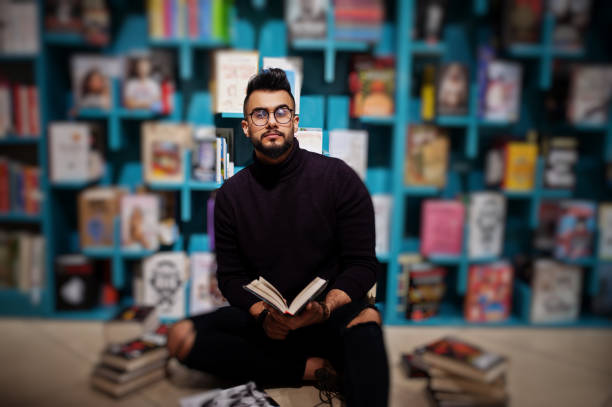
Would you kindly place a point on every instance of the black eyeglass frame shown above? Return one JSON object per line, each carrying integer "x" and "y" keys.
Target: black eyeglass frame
{"x": 274, "y": 113}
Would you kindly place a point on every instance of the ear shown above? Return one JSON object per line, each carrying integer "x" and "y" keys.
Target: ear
{"x": 245, "y": 128}
{"x": 296, "y": 124}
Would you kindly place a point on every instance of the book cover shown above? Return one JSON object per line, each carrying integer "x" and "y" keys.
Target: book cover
{"x": 69, "y": 146}
{"x": 572, "y": 18}
{"x": 148, "y": 81}
{"x": 522, "y": 21}
{"x": 590, "y": 93}
{"x": 452, "y": 93}
{"x": 351, "y": 146}
{"x": 560, "y": 158}
{"x": 130, "y": 323}
{"x": 63, "y": 16}
{"x": 98, "y": 208}
{"x": 605, "y": 231}
{"x": 376, "y": 92}
{"x": 306, "y": 19}
{"x": 430, "y": 20}
{"x": 139, "y": 221}
{"x": 293, "y": 67}
{"x": 520, "y": 160}
{"x": 310, "y": 139}
{"x": 575, "y": 229}
{"x": 601, "y": 303}
{"x": 133, "y": 354}
{"x": 549, "y": 213}
{"x": 232, "y": 70}
{"x": 204, "y": 156}
{"x": 92, "y": 77}
{"x": 205, "y": 295}
{"x": 489, "y": 292}
{"x": 164, "y": 278}
{"x": 427, "y": 151}
{"x": 96, "y": 22}
{"x": 5, "y": 186}
{"x": 383, "y": 204}
{"x": 32, "y": 193}
{"x": 503, "y": 91}
{"x": 442, "y": 227}
{"x": 76, "y": 285}
{"x": 555, "y": 293}
{"x": 163, "y": 147}
{"x": 487, "y": 218}
{"x": 426, "y": 289}
{"x": 428, "y": 93}
{"x": 358, "y": 21}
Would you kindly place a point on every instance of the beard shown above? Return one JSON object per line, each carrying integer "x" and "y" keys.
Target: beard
{"x": 274, "y": 151}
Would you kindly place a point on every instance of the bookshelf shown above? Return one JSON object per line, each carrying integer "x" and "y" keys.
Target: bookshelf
{"x": 324, "y": 104}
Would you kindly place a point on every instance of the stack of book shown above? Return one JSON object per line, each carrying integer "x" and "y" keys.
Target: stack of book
{"x": 19, "y": 110}
{"x": 131, "y": 365}
{"x": 19, "y": 188}
{"x": 358, "y": 21}
{"x": 459, "y": 374}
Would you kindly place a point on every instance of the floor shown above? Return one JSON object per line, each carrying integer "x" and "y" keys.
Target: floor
{"x": 47, "y": 363}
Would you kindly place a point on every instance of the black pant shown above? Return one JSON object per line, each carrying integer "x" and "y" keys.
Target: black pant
{"x": 231, "y": 345}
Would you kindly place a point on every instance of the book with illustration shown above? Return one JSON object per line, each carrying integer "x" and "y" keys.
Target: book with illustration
{"x": 205, "y": 295}
{"x": 351, "y": 146}
{"x": 163, "y": 148}
{"x": 520, "y": 159}
{"x": 140, "y": 221}
{"x": 452, "y": 90}
{"x": 487, "y": 218}
{"x": 502, "y": 98}
{"x": 522, "y": 21}
{"x": 589, "y": 95}
{"x": 232, "y": 70}
{"x": 92, "y": 77}
{"x": 98, "y": 208}
{"x": 425, "y": 289}
{"x": 556, "y": 289}
{"x": 372, "y": 84}
{"x": 164, "y": 278}
{"x": 75, "y": 152}
{"x": 427, "y": 152}
{"x": 268, "y": 293}
{"x": 310, "y": 139}
{"x": 204, "y": 155}
{"x": 442, "y": 223}
{"x": 572, "y": 18}
{"x": 489, "y": 292}
{"x": 560, "y": 159}
{"x": 575, "y": 230}
{"x": 306, "y": 19}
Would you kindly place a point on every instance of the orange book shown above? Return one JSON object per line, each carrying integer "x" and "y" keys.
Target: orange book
{"x": 520, "y": 166}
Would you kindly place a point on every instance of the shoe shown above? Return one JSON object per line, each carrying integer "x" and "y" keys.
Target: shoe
{"x": 328, "y": 384}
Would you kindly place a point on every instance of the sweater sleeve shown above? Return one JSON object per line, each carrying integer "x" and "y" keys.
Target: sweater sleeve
{"x": 232, "y": 274}
{"x": 355, "y": 222}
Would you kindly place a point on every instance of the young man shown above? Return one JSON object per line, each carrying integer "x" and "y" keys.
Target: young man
{"x": 291, "y": 216}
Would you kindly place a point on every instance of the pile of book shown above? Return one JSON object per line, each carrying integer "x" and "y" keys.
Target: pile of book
{"x": 19, "y": 32}
{"x": 22, "y": 262}
{"x": 195, "y": 19}
{"x": 130, "y": 365}
{"x": 358, "y": 21}
{"x": 88, "y": 19}
{"x": 19, "y": 188}
{"x": 459, "y": 374}
{"x": 19, "y": 110}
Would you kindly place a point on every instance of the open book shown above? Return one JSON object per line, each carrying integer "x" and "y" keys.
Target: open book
{"x": 266, "y": 292}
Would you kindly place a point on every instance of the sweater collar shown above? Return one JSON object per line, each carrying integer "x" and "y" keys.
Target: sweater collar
{"x": 282, "y": 170}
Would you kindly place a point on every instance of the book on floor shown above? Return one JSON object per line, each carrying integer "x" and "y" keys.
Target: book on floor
{"x": 489, "y": 292}
{"x": 134, "y": 354}
{"x": 268, "y": 293}
{"x": 120, "y": 376}
{"x": 465, "y": 359}
{"x": 120, "y": 389}
{"x": 131, "y": 322}
{"x": 487, "y": 219}
{"x": 244, "y": 395}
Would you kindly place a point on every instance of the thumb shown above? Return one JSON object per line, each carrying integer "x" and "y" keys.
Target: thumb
{"x": 309, "y": 306}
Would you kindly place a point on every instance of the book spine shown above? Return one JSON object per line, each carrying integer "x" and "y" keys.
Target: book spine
{"x": 192, "y": 16}
{"x": 167, "y": 95}
{"x": 5, "y": 109}
{"x": 181, "y": 18}
{"x": 204, "y": 18}
{"x": 33, "y": 111}
{"x": 5, "y": 203}
{"x": 24, "y": 109}
{"x": 17, "y": 110}
{"x": 167, "y": 18}
{"x": 218, "y": 161}
{"x": 210, "y": 222}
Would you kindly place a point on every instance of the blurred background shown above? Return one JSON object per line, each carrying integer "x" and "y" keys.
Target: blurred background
{"x": 481, "y": 129}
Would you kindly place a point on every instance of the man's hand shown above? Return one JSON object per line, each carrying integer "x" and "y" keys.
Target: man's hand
{"x": 313, "y": 313}
{"x": 275, "y": 329}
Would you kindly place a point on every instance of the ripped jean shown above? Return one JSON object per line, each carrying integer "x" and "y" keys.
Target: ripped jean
{"x": 231, "y": 345}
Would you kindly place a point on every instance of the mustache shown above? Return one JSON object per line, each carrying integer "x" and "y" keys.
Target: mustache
{"x": 267, "y": 133}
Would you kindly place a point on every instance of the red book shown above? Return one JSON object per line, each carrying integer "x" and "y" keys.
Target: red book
{"x": 167, "y": 93}
{"x": 31, "y": 177}
{"x": 5, "y": 199}
{"x": 17, "y": 110}
{"x": 192, "y": 18}
{"x": 442, "y": 227}
{"x": 489, "y": 293}
{"x": 34, "y": 115}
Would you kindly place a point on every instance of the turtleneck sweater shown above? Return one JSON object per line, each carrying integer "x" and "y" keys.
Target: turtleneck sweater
{"x": 309, "y": 216}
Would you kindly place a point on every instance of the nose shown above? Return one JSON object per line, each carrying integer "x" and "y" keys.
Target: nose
{"x": 271, "y": 121}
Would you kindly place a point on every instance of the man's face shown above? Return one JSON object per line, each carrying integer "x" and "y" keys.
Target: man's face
{"x": 272, "y": 139}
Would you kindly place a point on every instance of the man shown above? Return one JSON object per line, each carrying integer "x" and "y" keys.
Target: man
{"x": 290, "y": 216}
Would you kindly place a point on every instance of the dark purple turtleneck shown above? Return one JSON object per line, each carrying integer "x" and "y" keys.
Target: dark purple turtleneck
{"x": 308, "y": 216}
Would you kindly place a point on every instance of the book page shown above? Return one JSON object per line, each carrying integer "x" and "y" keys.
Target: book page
{"x": 274, "y": 290}
{"x": 307, "y": 294}
{"x": 263, "y": 292}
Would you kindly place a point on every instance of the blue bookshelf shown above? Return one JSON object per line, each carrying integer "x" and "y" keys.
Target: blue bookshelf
{"x": 19, "y": 218}
{"x": 12, "y": 139}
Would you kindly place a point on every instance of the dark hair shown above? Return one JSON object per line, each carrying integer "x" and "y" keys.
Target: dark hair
{"x": 268, "y": 79}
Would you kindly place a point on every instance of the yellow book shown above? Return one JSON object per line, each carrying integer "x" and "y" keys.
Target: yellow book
{"x": 156, "y": 18}
{"x": 520, "y": 166}
{"x": 427, "y": 150}
{"x": 428, "y": 94}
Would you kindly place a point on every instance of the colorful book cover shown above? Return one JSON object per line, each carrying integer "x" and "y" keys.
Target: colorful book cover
{"x": 63, "y": 16}
{"x": 98, "y": 208}
{"x": 555, "y": 293}
{"x": 293, "y": 67}
{"x": 140, "y": 221}
{"x": 148, "y": 81}
{"x": 221, "y": 19}
{"x": 232, "y": 71}
{"x": 590, "y": 93}
{"x": 428, "y": 93}
{"x": 32, "y": 192}
{"x": 69, "y": 148}
{"x": 426, "y": 288}
{"x": 503, "y": 91}
{"x": 155, "y": 18}
{"x": 489, "y": 292}
{"x": 192, "y": 18}
{"x": 605, "y": 231}
{"x": 164, "y": 278}
{"x": 5, "y": 186}
{"x": 487, "y": 218}
{"x": 133, "y": 349}
{"x": 406, "y": 261}
{"x": 351, "y": 146}
{"x": 92, "y": 77}
{"x": 520, "y": 166}
{"x": 306, "y": 19}
{"x": 442, "y": 224}
{"x": 458, "y": 350}
{"x": 163, "y": 147}
{"x": 205, "y": 19}
{"x": 452, "y": 93}
{"x": 575, "y": 229}
{"x": 204, "y": 155}
{"x": 427, "y": 151}
{"x": 376, "y": 93}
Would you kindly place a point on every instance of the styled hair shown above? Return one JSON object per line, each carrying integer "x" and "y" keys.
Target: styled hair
{"x": 269, "y": 79}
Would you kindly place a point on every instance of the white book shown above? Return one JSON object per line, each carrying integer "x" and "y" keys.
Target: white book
{"x": 351, "y": 146}
{"x": 232, "y": 71}
{"x": 163, "y": 149}
{"x": 140, "y": 221}
{"x": 29, "y": 26}
{"x": 503, "y": 93}
{"x": 487, "y": 217}
{"x": 69, "y": 149}
{"x": 293, "y": 67}
{"x": 605, "y": 231}
{"x": 219, "y": 146}
{"x": 203, "y": 269}
{"x": 310, "y": 139}
{"x": 265, "y": 291}
{"x": 164, "y": 278}
{"x": 556, "y": 289}
{"x": 383, "y": 205}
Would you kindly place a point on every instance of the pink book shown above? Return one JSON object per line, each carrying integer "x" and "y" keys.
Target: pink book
{"x": 168, "y": 32}
{"x": 192, "y": 16}
{"x": 442, "y": 227}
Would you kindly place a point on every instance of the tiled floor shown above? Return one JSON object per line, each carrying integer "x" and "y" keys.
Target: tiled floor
{"x": 47, "y": 363}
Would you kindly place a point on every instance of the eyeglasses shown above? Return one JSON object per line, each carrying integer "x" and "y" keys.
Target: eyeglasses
{"x": 282, "y": 115}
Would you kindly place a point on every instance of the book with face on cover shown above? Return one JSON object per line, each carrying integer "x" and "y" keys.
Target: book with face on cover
{"x": 306, "y": 19}
{"x": 148, "y": 81}
{"x": 572, "y": 19}
{"x": 164, "y": 277}
{"x": 487, "y": 216}
{"x": 502, "y": 99}
{"x": 140, "y": 221}
{"x": 92, "y": 77}
{"x": 427, "y": 151}
{"x": 351, "y": 146}
{"x": 232, "y": 70}
{"x": 268, "y": 293}
{"x": 163, "y": 147}
{"x": 293, "y": 67}
{"x": 452, "y": 89}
